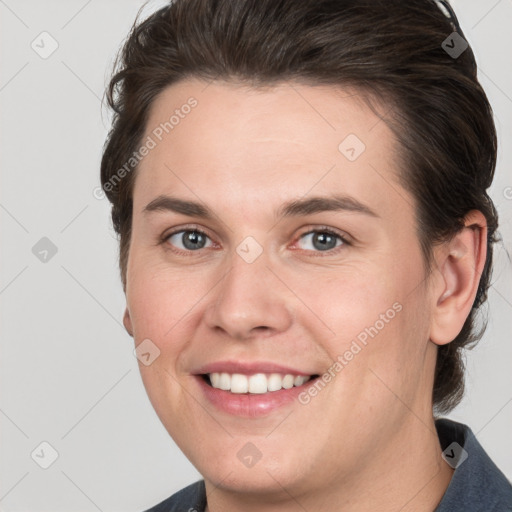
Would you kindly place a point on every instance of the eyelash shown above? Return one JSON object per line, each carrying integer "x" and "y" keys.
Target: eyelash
{"x": 321, "y": 229}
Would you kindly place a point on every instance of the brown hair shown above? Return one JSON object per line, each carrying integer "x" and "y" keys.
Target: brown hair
{"x": 390, "y": 49}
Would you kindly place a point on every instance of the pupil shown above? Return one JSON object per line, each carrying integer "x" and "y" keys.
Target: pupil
{"x": 324, "y": 241}
{"x": 193, "y": 240}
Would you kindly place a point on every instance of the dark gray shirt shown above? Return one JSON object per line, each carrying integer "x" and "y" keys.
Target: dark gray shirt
{"x": 477, "y": 485}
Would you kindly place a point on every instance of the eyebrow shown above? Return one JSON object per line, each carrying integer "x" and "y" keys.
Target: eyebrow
{"x": 295, "y": 208}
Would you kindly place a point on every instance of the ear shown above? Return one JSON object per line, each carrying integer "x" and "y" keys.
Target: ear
{"x": 460, "y": 264}
{"x": 127, "y": 322}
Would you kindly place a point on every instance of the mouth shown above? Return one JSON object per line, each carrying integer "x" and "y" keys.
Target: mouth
{"x": 256, "y": 384}
{"x": 252, "y": 389}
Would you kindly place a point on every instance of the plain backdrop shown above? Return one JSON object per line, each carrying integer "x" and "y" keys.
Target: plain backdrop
{"x": 67, "y": 372}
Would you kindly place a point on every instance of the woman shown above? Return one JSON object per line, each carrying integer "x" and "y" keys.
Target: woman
{"x": 305, "y": 240}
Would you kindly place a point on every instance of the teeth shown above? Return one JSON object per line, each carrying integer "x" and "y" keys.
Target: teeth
{"x": 275, "y": 382}
{"x": 215, "y": 379}
{"x": 288, "y": 381}
{"x": 225, "y": 381}
{"x": 256, "y": 384}
{"x": 239, "y": 383}
{"x": 299, "y": 380}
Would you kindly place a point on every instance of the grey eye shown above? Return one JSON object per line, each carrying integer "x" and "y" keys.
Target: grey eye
{"x": 189, "y": 240}
{"x": 321, "y": 241}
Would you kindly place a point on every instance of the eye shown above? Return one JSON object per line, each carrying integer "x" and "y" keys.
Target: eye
{"x": 189, "y": 240}
{"x": 321, "y": 240}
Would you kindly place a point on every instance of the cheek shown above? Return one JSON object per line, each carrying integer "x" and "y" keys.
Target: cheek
{"x": 162, "y": 304}
{"x": 377, "y": 320}
{"x": 161, "y": 300}
{"x": 352, "y": 302}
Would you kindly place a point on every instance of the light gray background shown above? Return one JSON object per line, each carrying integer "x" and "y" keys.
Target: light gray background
{"x": 68, "y": 374}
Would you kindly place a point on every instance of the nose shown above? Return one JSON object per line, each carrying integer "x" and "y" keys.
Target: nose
{"x": 249, "y": 301}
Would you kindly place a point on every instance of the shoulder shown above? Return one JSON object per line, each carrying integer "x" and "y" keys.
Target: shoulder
{"x": 477, "y": 484}
{"x": 190, "y": 499}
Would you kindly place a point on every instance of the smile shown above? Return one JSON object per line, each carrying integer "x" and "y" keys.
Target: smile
{"x": 252, "y": 389}
{"x": 258, "y": 383}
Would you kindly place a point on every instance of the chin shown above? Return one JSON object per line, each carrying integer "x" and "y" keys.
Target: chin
{"x": 269, "y": 474}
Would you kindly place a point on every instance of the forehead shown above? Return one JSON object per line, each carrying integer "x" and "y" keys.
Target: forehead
{"x": 228, "y": 142}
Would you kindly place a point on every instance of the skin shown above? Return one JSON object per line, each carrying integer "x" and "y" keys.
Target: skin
{"x": 367, "y": 441}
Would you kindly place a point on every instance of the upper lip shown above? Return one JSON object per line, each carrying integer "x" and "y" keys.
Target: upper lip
{"x": 248, "y": 368}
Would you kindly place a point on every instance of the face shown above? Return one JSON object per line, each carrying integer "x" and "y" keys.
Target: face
{"x": 274, "y": 264}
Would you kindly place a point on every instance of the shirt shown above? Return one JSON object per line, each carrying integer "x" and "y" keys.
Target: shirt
{"x": 477, "y": 485}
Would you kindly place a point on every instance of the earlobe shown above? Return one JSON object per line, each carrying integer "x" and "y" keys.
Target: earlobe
{"x": 460, "y": 266}
{"x": 127, "y": 322}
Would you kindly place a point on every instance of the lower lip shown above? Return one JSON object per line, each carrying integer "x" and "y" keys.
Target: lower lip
{"x": 250, "y": 405}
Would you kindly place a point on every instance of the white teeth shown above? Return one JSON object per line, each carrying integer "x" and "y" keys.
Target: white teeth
{"x": 275, "y": 382}
{"x": 239, "y": 383}
{"x": 299, "y": 380}
{"x": 225, "y": 381}
{"x": 258, "y": 383}
{"x": 288, "y": 381}
{"x": 215, "y": 379}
